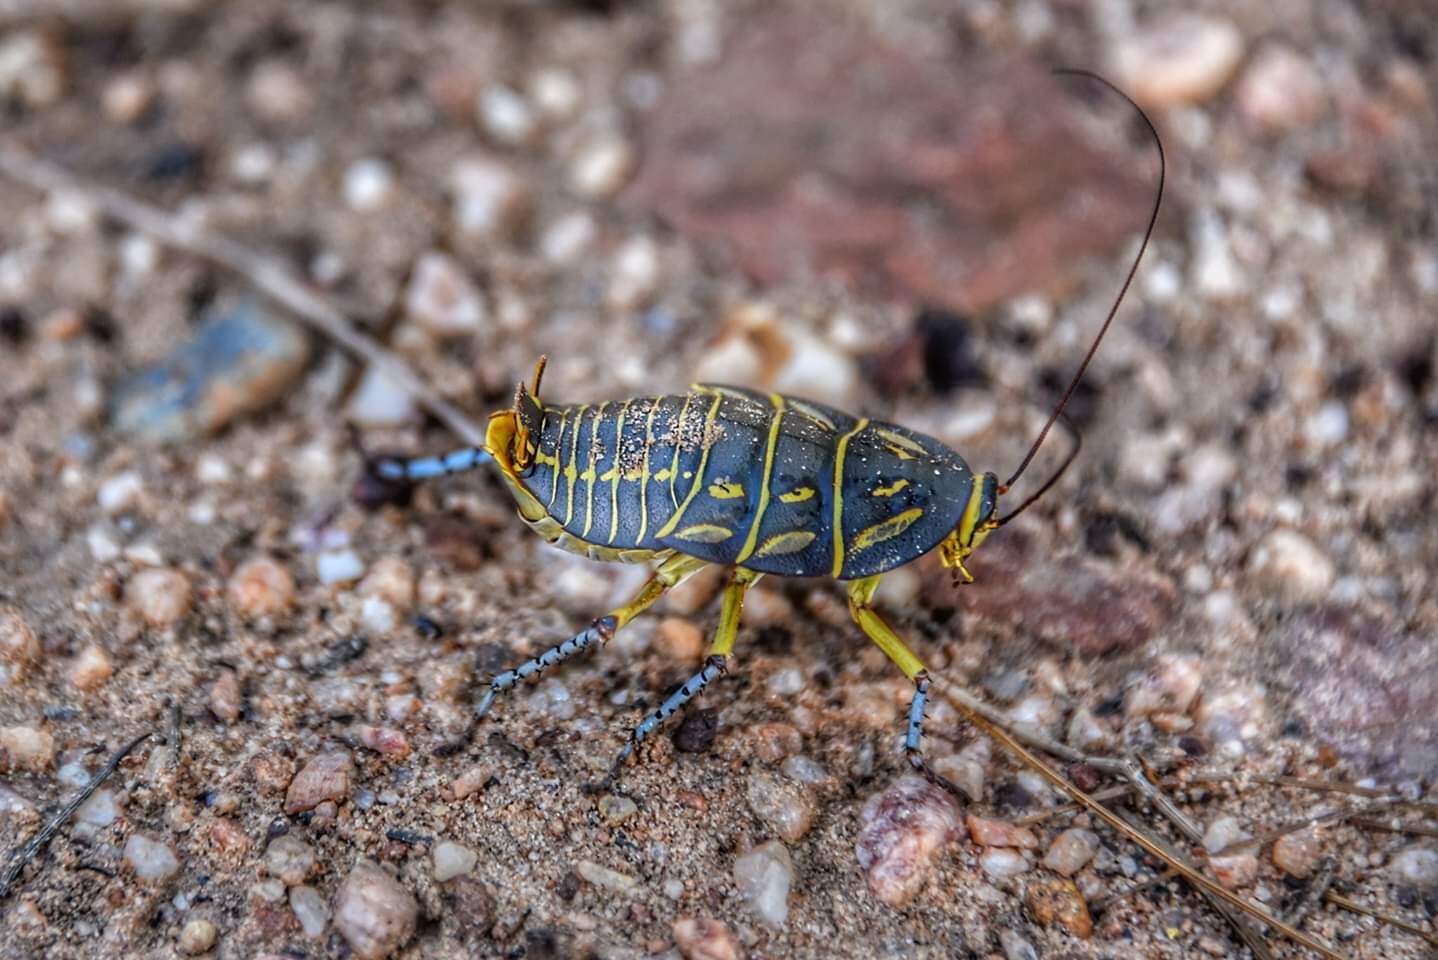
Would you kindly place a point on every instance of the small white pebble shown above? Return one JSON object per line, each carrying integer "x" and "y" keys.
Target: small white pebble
{"x": 764, "y": 876}
{"x": 1002, "y": 863}
{"x": 338, "y": 566}
{"x": 367, "y": 184}
{"x": 506, "y": 116}
{"x": 121, "y": 492}
{"x": 602, "y": 166}
{"x": 310, "y": 910}
{"x": 1327, "y": 427}
{"x": 567, "y": 238}
{"x": 150, "y": 859}
{"x": 452, "y": 860}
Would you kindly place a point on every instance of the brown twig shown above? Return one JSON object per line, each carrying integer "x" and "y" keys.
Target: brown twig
{"x": 1347, "y": 903}
{"x": 52, "y": 826}
{"x": 1293, "y": 826}
{"x": 1407, "y": 829}
{"x": 264, "y": 273}
{"x": 979, "y": 714}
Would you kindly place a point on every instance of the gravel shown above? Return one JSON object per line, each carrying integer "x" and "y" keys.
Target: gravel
{"x": 374, "y": 912}
{"x": 764, "y": 876}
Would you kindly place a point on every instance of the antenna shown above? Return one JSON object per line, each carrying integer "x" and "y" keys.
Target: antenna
{"x": 1058, "y": 410}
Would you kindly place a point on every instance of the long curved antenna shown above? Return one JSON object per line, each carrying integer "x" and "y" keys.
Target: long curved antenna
{"x": 1127, "y": 282}
{"x": 1054, "y": 477}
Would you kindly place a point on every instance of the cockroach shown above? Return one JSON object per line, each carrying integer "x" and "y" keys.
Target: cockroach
{"x": 758, "y": 483}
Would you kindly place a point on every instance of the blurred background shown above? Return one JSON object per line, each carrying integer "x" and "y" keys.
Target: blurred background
{"x": 893, "y": 207}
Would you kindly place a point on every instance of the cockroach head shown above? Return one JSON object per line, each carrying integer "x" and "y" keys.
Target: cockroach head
{"x": 977, "y": 521}
{"x": 513, "y": 434}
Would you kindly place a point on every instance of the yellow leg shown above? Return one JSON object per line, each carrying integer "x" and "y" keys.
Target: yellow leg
{"x": 733, "y": 607}
{"x": 670, "y": 573}
{"x": 740, "y": 580}
{"x": 861, "y": 595}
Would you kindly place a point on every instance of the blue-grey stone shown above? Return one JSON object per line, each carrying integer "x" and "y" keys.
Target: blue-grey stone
{"x": 240, "y": 360}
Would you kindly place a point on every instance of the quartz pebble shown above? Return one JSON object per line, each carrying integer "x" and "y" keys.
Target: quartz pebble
{"x": 338, "y": 566}
{"x": 470, "y": 781}
{"x": 367, "y": 184}
{"x": 101, "y": 810}
{"x": 1280, "y": 89}
{"x": 1234, "y": 871}
{"x": 901, "y": 832}
{"x": 491, "y": 200}
{"x": 390, "y": 579}
{"x": 197, "y": 936}
{"x": 997, "y": 833}
{"x": 1289, "y": 564}
{"x": 616, "y": 809}
{"x": 32, "y": 67}
{"x": 127, "y": 97}
{"x": 782, "y": 805}
{"x": 442, "y": 298}
{"x": 310, "y": 910}
{"x": 967, "y": 769}
{"x": 1183, "y": 58}
{"x": 261, "y": 587}
{"x": 764, "y": 876}
{"x": 1223, "y": 833}
{"x": 18, "y": 643}
{"x": 373, "y": 912}
{"x": 452, "y": 860}
{"x": 1416, "y": 866}
{"x": 92, "y": 668}
{"x": 120, "y": 493}
{"x": 601, "y": 876}
{"x": 226, "y": 701}
{"x": 26, "y": 748}
{"x": 602, "y": 166}
{"x": 150, "y": 859}
{"x": 161, "y": 597}
{"x": 1297, "y": 854}
{"x": 1001, "y": 863}
{"x": 635, "y": 275}
{"x": 1071, "y": 851}
{"x": 380, "y": 401}
{"x": 289, "y": 859}
{"x": 1170, "y": 686}
{"x": 506, "y": 116}
{"x": 1016, "y": 947}
{"x": 703, "y": 938}
{"x": 326, "y": 777}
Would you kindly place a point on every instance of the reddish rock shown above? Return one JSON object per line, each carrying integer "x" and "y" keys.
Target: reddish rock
{"x": 1367, "y": 689}
{"x": 1088, "y": 606}
{"x": 901, "y": 833}
{"x": 1057, "y": 900}
{"x": 326, "y": 777}
{"x": 782, "y": 157}
{"x": 996, "y": 833}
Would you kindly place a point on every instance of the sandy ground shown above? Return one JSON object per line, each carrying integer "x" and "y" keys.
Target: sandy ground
{"x": 886, "y": 206}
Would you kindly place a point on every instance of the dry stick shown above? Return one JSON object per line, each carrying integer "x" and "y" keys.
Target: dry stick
{"x": 1408, "y": 829}
{"x": 1293, "y": 826}
{"x": 979, "y": 714}
{"x": 37, "y": 843}
{"x": 1348, "y": 903}
{"x": 264, "y": 273}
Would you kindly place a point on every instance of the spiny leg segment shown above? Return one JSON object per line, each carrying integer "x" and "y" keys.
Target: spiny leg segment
{"x": 861, "y": 596}
{"x": 715, "y": 663}
{"x": 425, "y": 468}
{"x": 670, "y": 573}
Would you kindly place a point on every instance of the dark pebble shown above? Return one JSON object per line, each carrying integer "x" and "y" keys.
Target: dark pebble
{"x": 697, "y": 731}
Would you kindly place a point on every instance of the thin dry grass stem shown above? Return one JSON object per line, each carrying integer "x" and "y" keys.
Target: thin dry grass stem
{"x": 983, "y": 717}
{"x": 264, "y": 273}
{"x": 1323, "y": 786}
{"x": 1348, "y": 903}
{"x": 1293, "y": 826}
{"x": 1408, "y": 829}
{"x": 62, "y": 816}
{"x": 1314, "y": 892}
